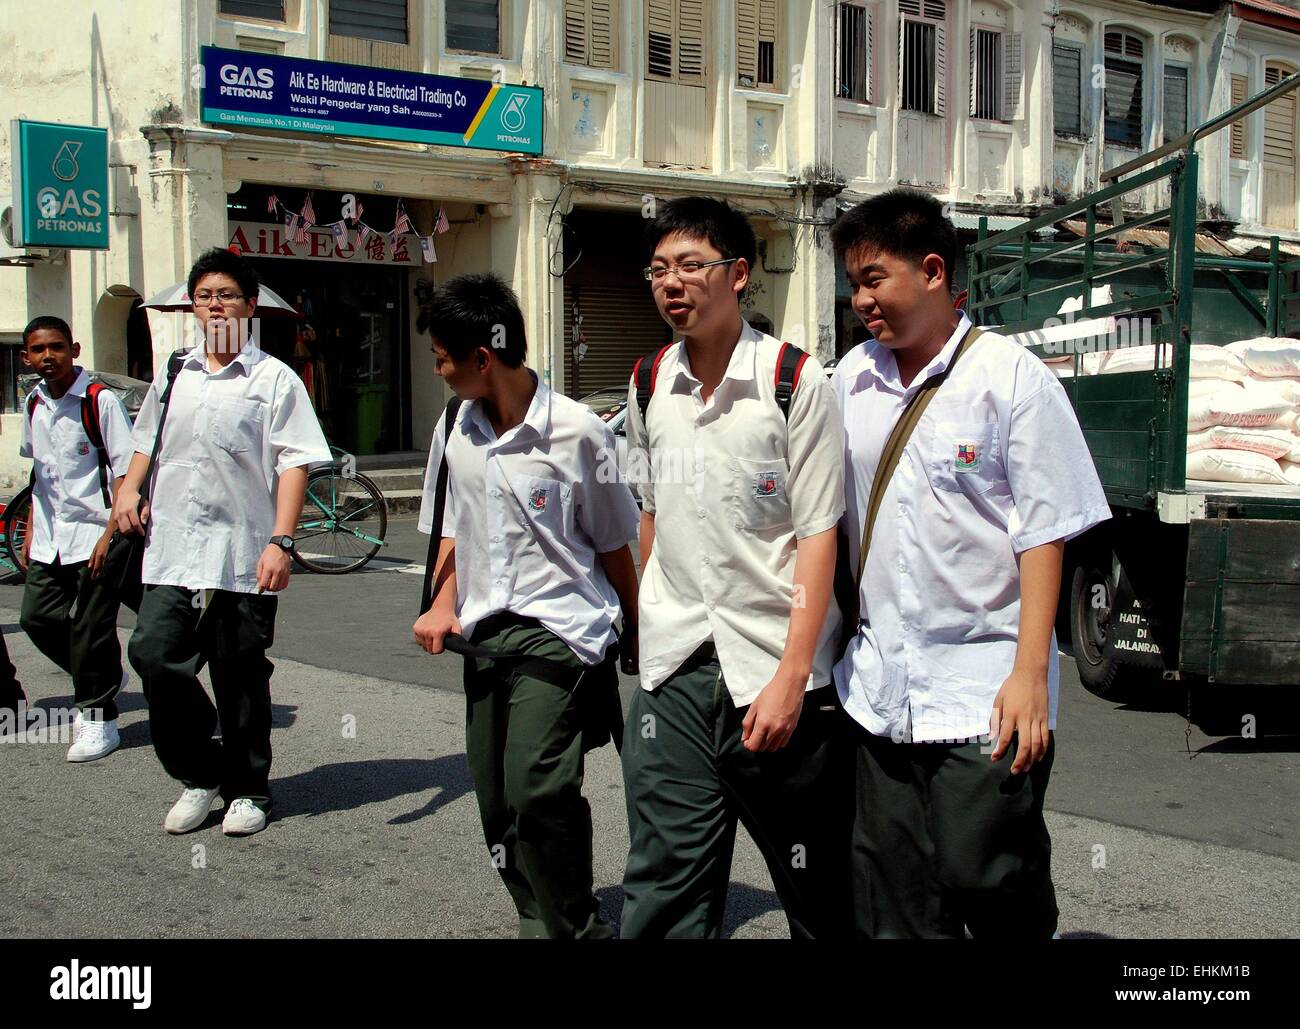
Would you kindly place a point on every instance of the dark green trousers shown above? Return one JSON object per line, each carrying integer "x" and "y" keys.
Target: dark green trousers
{"x": 72, "y": 619}
{"x": 688, "y": 779}
{"x": 524, "y": 730}
{"x": 175, "y": 636}
{"x": 944, "y": 838}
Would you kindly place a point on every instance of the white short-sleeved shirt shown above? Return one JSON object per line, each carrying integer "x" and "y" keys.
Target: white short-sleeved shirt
{"x": 732, "y": 488}
{"x": 230, "y": 433}
{"x": 531, "y": 512}
{"x": 68, "y": 512}
{"x": 997, "y": 465}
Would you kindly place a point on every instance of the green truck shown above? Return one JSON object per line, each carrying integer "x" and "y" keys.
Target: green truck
{"x": 1189, "y": 580}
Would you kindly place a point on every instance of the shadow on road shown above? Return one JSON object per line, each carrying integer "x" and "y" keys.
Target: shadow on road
{"x": 744, "y": 903}
{"x": 352, "y": 784}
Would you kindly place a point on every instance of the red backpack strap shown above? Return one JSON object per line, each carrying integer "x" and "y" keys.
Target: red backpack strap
{"x": 94, "y": 432}
{"x": 789, "y": 365}
{"x": 644, "y": 374}
{"x": 33, "y": 398}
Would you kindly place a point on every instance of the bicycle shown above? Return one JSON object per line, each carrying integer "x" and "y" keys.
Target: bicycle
{"x": 343, "y": 521}
{"x": 14, "y": 524}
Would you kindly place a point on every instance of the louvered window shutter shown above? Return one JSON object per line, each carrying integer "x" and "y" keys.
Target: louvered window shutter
{"x": 871, "y": 55}
{"x": 747, "y": 42}
{"x": 691, "y": 70}
{"x": 768, "y": 20}
{"x": 902, "y": 57}
{"x": 974, "y": 73}
{"x": 602, "y": 33}
{"x": 1238, "y": 127}
{"x": 577, "y": 36}
{"x": 940, "y": 71}
{"x": 1012, "y": 75}
{"x": 659, "y": 33}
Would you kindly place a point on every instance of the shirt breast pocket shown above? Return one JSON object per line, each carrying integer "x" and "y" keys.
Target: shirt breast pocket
{"x": 236, "y": 425}
{"x": 965, "y": 457}
{"x": 547, "y": 503}
{"x": 759, "y": 494}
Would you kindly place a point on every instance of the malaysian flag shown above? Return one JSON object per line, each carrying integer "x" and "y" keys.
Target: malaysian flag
{"x": 426, "y": 245}
{"x": 340, "y": 230}
{"x": 290, "y": 225}
{"x": 308, "y": 211}
{"x": 356, "y": 214}
{"x": 402, "y": 222}
{"x": 441, "y": 225}
{"x": 272, "y": 202}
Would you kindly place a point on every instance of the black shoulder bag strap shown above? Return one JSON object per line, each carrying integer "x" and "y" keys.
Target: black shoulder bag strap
{"x": 174, "y": 364}
{"x": 439, "y": 506}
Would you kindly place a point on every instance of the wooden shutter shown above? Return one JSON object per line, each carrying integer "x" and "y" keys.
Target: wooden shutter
{"x": 1238, "y": 130}
{"x": 1067, "y": 83}
{"x": 382, "y": 20}
{"x": 974, "y": 73}
{"x": 747, "y": 42}
{"x": 871, "y": 55}
{"x": 1013, "y": 76}
{"x": 590, "y": 33}
{"x": 940, "y": 71}
{"x": 691, "y": 68}
{"x": 271, "y": 10}
{"x": 1279, "y": 123}
{"x": 659, "y": 37}
{"x": 1175, "y": 101}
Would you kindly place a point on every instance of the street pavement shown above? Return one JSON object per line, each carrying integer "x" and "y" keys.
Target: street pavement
{"x": 1158, "y": 831}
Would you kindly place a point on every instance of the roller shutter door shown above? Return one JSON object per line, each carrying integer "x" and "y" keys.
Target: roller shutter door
{"x": 620, "y": 323}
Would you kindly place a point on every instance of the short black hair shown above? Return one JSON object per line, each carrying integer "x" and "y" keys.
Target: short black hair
{"x": 221, "y": 261}
{"x": 472, "y": 311}
{"x": 47, "y": 321}
{"x": 727, "y": 230}
{"x": 904, "y": 223}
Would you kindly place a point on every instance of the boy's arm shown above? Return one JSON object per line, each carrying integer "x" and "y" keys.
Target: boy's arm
{"x": 274, "y": 564}
{"x": 126, "y": 497}
{"x": 100, "y": 553}
{"x": 772, "y": 717}
{"x": 647, "y": 536}
{"x": 433, "y": 627}
{"x": 621, "y": 571}
{"x": 1021, "y": 706}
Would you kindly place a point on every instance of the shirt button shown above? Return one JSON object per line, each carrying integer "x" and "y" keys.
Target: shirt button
{"x": 702, "y": 513}
{"x": 496, "y": 539}
{"x": 496, "y": 493}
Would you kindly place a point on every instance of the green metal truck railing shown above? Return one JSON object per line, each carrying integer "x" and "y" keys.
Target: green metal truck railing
{"x": 1137, "y": 427}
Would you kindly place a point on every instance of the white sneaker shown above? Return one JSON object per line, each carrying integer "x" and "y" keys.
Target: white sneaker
{"x": 190, "y": 811}
{"x": 94, "y": 740}
{"x": 243, "y": 818}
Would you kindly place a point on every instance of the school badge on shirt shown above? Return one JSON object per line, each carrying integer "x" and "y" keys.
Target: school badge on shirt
{"x": 968, "y": 457}
{"x": 83, "y": 448}
{"x": 537, "y": 498}
{"x": 766, "y": 484}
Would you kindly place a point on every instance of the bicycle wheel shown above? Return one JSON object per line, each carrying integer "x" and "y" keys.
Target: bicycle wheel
{"x": 342, "y": 525}
{"x": 17, "y": 521}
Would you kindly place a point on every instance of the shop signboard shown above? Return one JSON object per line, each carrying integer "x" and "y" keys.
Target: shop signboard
{"x": 60, "y": 185}
{"x": 269, "y": 91}
{"x": 257, "y": 239}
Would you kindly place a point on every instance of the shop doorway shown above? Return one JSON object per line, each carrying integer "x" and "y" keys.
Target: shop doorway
{"x": 350, "y": 349}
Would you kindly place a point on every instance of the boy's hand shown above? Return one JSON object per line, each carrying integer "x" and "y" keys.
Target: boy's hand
{"x": 433, "y": 627}
{"x": 128, "y": 518}
{"x": 27, "y": 543}
{"x": 774, "y": 714}
{"x": 99, "y": 554}
{"x": 272, "y": 570}
{"x": 1021, "y": 708}
{"x": 629, "y": 650}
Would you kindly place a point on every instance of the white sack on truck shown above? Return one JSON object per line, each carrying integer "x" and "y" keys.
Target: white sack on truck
{"x": 1274, "y": 443}
{"x": 1239, "y": 408}
{"x": 1234, "y": 466}
{"x": 1269, "y": 357}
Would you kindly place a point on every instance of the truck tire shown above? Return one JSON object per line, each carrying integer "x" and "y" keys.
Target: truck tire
{"x": 1091, "y": 596}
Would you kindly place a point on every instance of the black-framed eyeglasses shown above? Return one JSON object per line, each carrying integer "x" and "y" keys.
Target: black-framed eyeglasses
{"x": 204, "y": 297}
{"x": 686, "y": 271}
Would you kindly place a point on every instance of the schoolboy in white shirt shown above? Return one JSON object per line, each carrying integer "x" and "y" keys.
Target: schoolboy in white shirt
{"x": 238, "y": 435}
{"x": 736, "y": 718}
{"x": 534, "y": 566}
{"x": 69, "y": 608}
{"x": 951, "y": 679}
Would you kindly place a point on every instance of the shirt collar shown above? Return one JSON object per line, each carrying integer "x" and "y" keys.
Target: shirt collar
{"x": 537, "y": 418}
{"x": 77, "y": 389}
{"x": 741, "y": 366}
{"x": 879, "y": 361}
{"x": 248, "y": 356}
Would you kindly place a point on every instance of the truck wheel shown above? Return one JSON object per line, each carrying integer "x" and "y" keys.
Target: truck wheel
{"x": 1091, "y": 599}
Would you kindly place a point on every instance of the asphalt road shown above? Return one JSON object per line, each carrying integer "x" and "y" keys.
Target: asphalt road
{"x": 1156, "y": 832}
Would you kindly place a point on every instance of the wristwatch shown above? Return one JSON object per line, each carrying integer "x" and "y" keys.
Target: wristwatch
{"x": 285, "y": 543}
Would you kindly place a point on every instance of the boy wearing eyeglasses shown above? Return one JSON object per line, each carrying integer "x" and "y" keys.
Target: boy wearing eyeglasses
{"x": 238, "y": 432}
{"x": 736, "y": 718}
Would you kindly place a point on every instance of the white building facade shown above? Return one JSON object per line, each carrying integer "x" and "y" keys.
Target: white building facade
{"x": 791, "y": 109}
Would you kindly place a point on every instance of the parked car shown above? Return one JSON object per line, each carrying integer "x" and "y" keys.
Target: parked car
{"x": 610, "y": 405}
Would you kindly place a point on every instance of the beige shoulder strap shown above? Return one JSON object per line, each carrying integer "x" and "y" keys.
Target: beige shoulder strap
{"x": 897, "y": 442}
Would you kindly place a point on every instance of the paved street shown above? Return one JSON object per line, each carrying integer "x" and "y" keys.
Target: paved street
{"x": 377, "y": 834}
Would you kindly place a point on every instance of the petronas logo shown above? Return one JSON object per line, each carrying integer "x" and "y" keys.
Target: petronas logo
{"x": 65, "y": 161}
{"x": 512, "y": 115}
